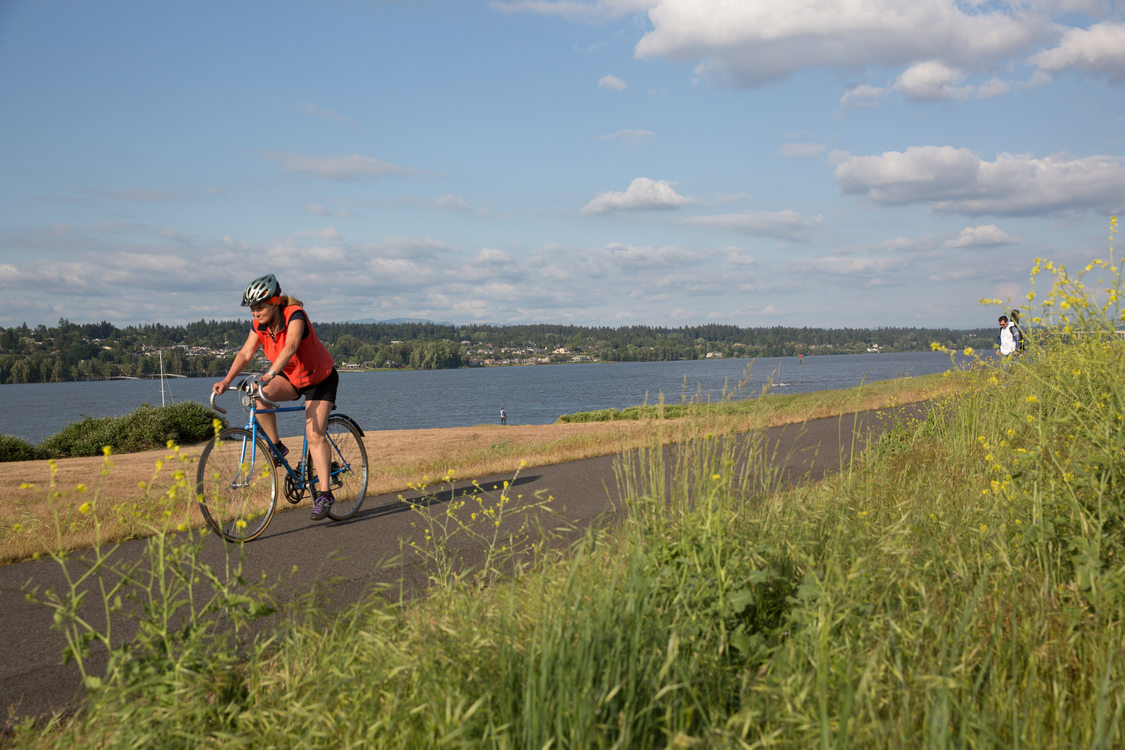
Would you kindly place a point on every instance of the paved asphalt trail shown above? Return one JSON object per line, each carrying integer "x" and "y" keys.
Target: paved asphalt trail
{"x": 33, "y": 680}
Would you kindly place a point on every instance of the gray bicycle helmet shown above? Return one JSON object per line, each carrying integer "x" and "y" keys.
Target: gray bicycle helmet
{"x": 260, "y": 290}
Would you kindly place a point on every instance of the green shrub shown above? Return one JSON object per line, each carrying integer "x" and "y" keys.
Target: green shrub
{"x": 152, "y": 427}
{"x": 645, "y": 411}
{"x": 17, "y": 449}
{"x": 84, "y": 438}
{"x": 598, "y": 415}
{"x": 144, "y": 429}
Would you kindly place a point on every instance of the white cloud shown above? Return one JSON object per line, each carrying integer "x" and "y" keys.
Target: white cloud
{"x": 451, "y": 203}
{"x": 932, "y": 80}
{"x": 642, "y": 194}
{"x": 353, "y": 167}
{"x": 862, "y": 96}
{"x": 650, "y": 257}
{"x": 611, "y": 82}
{"x": 489, "y": 266}
{"x": 786, "y": 225}
{"x": 852, "y": 266}
{"x": 955, "y": 180}
{"x": 752, "y": 43}
{"x": 937, "y": 43}
{"x": 993, "y": 87}
{"x": 1098, "y": 50}
{"x": 737, "y": 256}
{"x": 447, "y": 202}
{"x": 988, "y": 235}
{"x": 491, "y": 255}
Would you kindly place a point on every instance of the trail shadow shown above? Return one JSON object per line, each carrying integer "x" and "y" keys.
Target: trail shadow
{"x": 401, "y": 502}
{"x": 392, "y": 504}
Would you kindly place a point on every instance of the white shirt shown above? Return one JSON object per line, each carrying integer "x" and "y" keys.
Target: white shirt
{"x": 1007, "y": 340}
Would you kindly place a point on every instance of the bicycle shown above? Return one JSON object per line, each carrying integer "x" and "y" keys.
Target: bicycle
{"x": 237, "y": 484}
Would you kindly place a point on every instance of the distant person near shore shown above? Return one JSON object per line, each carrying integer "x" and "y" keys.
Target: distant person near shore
{"x": 1014, "y": 324}
{"x": 1006, "y": 340}
{"x": 503, "y": 416}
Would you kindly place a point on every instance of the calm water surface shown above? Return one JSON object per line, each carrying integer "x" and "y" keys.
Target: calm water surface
{"x": 456, "y": 398}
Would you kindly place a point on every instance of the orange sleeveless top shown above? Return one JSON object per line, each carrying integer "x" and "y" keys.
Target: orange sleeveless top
{"x": 310, "y": 364}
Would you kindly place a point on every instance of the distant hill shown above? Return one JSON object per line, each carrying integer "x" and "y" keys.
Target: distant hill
{"x": 97, "y": 351}
{"x": 398, "y": 321}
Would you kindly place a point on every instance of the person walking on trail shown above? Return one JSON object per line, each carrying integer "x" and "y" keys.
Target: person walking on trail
{"x": 1007, "y": 338}
{"x": 503, "y": 415}
{"x": 1014, "y": 324}
{"x": 300, "y": 365}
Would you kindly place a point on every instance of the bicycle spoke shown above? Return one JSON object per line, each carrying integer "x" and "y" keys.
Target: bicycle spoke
{"x": 349, "y": 467}
{"x": 236, "y": 485}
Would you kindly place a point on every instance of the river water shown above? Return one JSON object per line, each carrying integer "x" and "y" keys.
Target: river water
{"x": 398, "y": 400}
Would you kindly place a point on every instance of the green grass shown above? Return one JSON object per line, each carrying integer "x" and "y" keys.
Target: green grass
{"x": 767, "y": 404}
{"x": 961, "y": 584}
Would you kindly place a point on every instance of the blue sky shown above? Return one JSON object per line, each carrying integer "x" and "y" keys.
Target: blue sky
{"x": 820, "y": 163}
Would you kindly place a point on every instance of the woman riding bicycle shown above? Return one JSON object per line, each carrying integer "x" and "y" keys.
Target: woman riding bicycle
{"x": 300, "y": 365}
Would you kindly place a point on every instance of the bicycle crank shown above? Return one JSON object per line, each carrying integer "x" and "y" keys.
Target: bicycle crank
{"x": 293, "y": 493}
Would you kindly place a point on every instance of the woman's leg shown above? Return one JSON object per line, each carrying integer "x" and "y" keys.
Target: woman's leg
{"x": 316, "y": 426}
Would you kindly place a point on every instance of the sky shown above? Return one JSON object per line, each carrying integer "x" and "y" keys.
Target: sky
{"x": 821, "y": 163}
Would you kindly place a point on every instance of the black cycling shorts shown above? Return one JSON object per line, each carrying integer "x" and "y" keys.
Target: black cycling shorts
{"x": 325, "y": 390}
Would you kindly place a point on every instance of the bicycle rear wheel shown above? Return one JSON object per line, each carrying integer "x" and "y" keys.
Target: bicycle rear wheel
{"x": 236, "y": 485}
{"x": 349, "y": 467}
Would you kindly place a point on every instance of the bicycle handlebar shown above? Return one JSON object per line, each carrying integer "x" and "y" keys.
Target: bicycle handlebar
{"x": 215, "y": 406}
{"x": 251, "y": 387}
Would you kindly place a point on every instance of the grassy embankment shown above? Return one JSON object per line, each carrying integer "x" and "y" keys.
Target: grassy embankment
{"x": 963, "y": 583}
{"x": 126, "y": 495}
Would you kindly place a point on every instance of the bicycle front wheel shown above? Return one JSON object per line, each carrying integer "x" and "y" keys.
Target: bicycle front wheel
{"x": 349, "y": 467}
{"x": 236, "y": 485}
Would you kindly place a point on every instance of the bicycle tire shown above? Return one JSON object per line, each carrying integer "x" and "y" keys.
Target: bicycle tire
{"x": 349, "y": 467}
{"x": 236, "y": 485}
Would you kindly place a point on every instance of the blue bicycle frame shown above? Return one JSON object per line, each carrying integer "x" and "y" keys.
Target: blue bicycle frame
{"x": 254, "y": 426}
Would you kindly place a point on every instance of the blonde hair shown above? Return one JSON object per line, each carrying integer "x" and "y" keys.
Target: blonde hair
{"x": 286, "y": 301}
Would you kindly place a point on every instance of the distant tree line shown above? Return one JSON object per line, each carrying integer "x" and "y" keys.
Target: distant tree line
{"x": 74, "y": 351}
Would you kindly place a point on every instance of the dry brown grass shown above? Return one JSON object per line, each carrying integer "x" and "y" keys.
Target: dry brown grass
{"x": 128, "y": 495}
